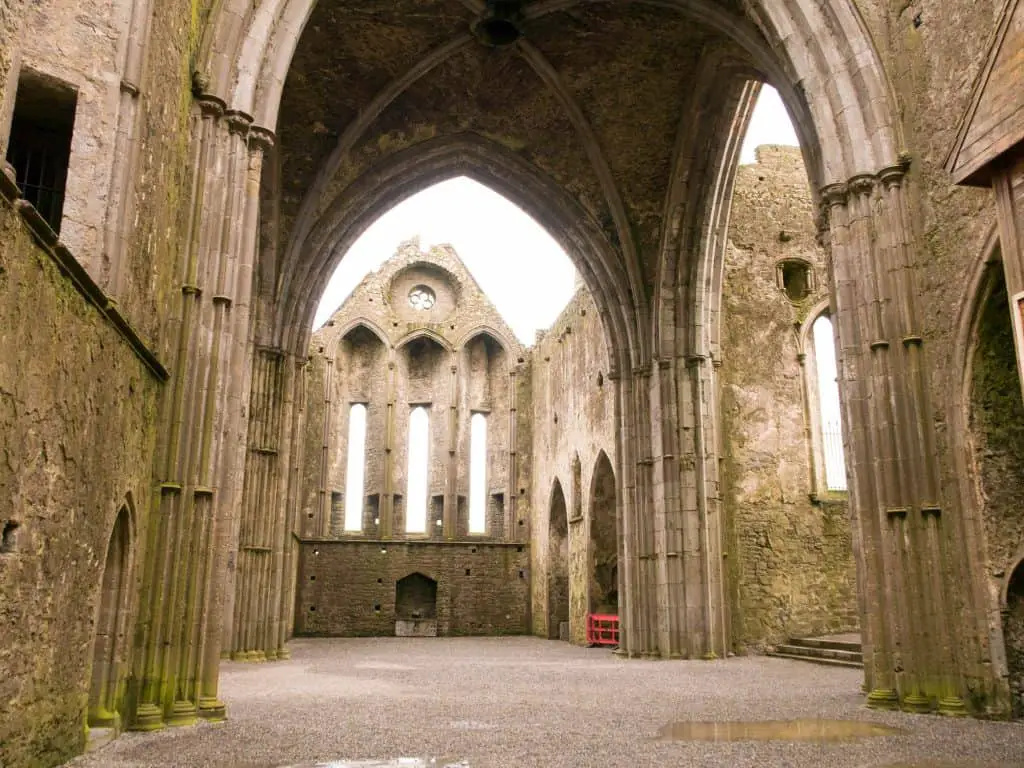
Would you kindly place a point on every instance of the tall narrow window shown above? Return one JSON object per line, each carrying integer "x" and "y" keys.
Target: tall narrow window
{"x": 419, "y": 459}
{"x": 40, "y": 142}
{"x": 355, "y": 471}
{"x": 828, "y": 404}
{"x": 478, "y": 473}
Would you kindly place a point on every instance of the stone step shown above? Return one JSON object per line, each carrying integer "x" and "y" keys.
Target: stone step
{"x": 819, "y": 660}
{"x": 826, "y": 642}
{"x": 837, "y": 654}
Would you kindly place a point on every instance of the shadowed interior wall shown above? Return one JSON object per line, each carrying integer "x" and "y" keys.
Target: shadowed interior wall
{"x": 997, "y": 428}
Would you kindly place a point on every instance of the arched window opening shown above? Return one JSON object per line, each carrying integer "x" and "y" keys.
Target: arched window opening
{"x": 355, "y": 470}
{"x": 478, "y": 474}
{"x": 419, "y": 458}
{"x": 828, "y": 404}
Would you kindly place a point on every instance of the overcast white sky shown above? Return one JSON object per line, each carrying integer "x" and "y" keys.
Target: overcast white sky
{"x": 517, "y": 264}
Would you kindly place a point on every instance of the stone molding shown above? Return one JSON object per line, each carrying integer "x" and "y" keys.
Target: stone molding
{"x": 76, "y": 274}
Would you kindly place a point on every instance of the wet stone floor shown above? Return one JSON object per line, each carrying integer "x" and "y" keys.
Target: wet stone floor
{"x": 496, "y": 702}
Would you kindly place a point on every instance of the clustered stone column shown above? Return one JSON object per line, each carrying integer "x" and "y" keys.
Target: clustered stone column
{"x": 894, "y": 487}
{"x": 199, "y": 474}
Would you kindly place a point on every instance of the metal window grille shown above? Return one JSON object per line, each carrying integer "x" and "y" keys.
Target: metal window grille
{"x": 41, "y": 167}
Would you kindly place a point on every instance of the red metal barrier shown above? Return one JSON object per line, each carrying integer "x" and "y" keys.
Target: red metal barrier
{"x": 602, "y": 629}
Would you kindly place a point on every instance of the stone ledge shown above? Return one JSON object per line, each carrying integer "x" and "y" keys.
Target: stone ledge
{"x": 70, "y": 267}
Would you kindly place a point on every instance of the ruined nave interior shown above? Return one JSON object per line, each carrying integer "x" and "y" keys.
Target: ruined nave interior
{"x": 782, "y": 406}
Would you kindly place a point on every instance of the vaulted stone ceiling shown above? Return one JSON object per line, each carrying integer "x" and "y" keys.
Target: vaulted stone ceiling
{"x": 593, "y": 95}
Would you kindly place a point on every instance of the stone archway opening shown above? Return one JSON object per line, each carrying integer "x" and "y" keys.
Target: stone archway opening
{"x": 996, "y": 439}
{"x": 558, "y": 565}
{"x": 110, "y": 632}
{"x": 604, "y": 554}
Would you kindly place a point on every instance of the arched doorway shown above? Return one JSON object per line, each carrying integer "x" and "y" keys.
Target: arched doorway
{"x": 604, "y": 557}
{"x": 558, "y": 564}
{"x": 108, "y": 645}
{"x": 996, "y": 428}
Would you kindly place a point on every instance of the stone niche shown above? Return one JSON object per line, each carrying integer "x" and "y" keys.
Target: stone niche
{"x": 416, "y": 606}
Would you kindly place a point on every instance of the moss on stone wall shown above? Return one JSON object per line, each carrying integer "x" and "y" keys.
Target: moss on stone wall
{"x": 997, "y": 426}
{"x": 997, "y": 422}
{"x": 77, "y": 433}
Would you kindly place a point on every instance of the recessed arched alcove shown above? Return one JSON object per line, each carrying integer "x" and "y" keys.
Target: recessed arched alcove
{"x": 604, "y": 561}
{"x": 558, "y": 565}
{"x": 357, "y": 390}
{"x": 111, "y": 633}
{"x": 486, "y": 394}
{"x": 416, "y": 606}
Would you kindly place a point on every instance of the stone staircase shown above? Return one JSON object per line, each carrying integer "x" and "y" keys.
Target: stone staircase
{"x": 838, "y": 650}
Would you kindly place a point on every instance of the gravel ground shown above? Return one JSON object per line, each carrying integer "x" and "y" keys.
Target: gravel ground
{"x": 494, "y": 702}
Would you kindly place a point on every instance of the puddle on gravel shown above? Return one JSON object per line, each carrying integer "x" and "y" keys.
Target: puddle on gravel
{"x": 776, "y": 730}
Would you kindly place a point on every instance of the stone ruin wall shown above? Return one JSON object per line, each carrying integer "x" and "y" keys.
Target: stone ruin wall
{"x": 80, "y": 407}
{"x": 78, "y": 420}
{"x": 347, "y": 580}
{"x": 573, "y": 419}
{"x": 790, "y": 542}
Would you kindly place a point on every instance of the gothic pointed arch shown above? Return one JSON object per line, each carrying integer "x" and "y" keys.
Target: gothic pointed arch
{"x": 111, "y": 641}
{"x": 557, "y": 562}
{"x": 603, "y": 543}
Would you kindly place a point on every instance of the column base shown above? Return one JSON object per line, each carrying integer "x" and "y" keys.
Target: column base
{"x": 238, "y": 656}
{"x": 212, "y": 709}
{"x": 182, "y": 713}
{"x": 148, "y": 717}
{"x": 104, "y": 718}
{"x": 272, "y": 654}
{"x": 710, "y": 656}
{"x": 952, "y": 706}
{"x": 283, "y": 654}
{"x": 915, "y": 702}
{"x": 883, "y": 698}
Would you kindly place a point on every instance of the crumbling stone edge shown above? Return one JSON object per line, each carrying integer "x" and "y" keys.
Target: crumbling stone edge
{"x": 69, "y": 266}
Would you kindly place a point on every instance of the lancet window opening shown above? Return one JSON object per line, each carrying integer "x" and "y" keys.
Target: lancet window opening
{"x": 418, "y": 471}
{"x": 827, "y": 404}
{"x": 355, "y": 470}
{"x": 478, "y": 473}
